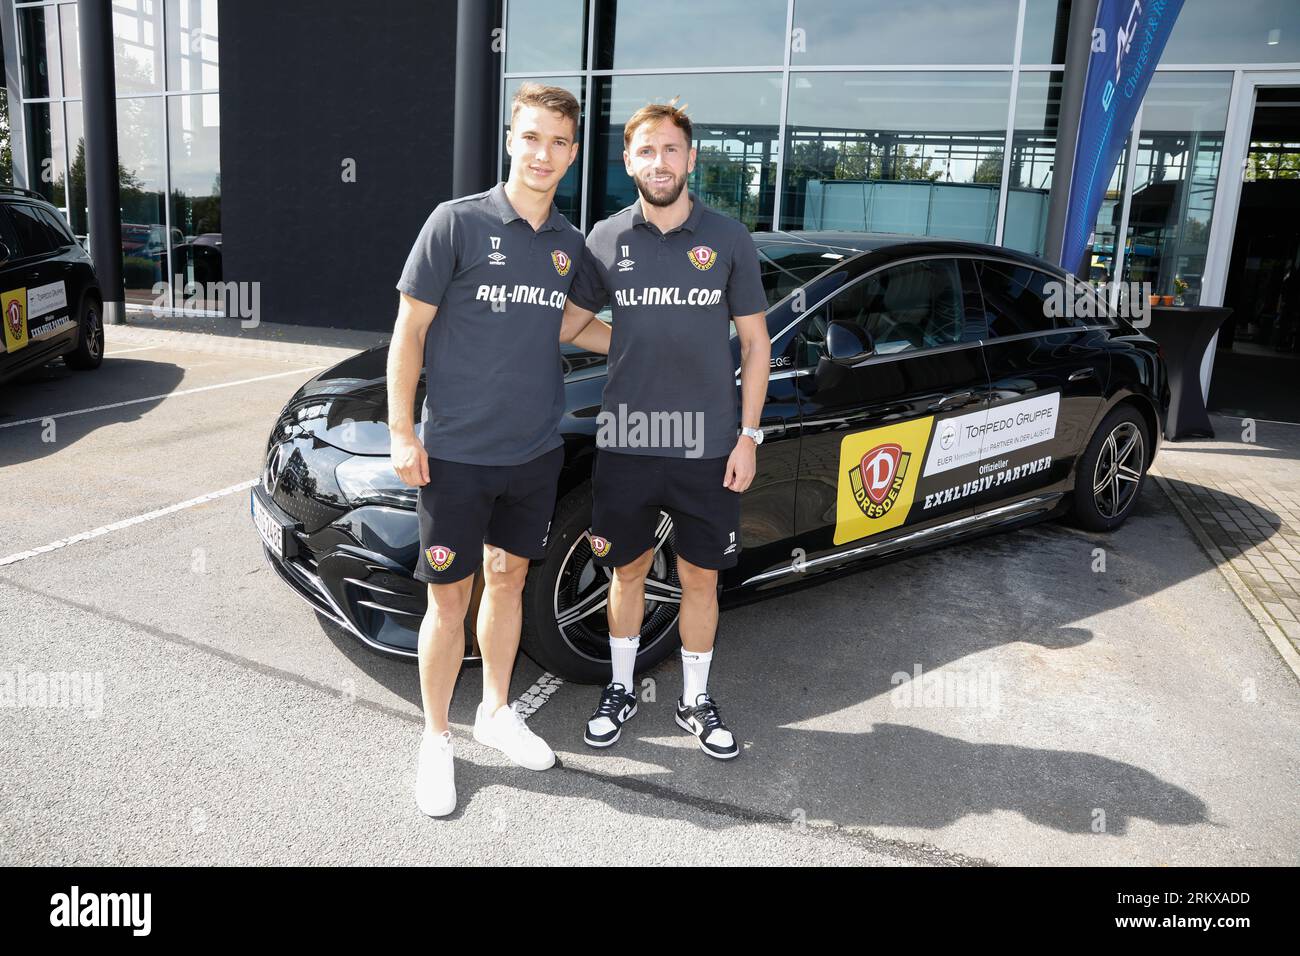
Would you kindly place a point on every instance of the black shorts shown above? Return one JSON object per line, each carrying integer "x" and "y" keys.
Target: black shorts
{"x": 465, "y": 506}
{"x": 631, "y": 490}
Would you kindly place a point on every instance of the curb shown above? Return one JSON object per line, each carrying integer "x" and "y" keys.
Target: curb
{"x": 1252, "y": 604}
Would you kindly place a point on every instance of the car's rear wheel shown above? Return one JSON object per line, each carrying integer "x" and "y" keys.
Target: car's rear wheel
{"x": 1112, "y": 470}
{"x": 89, "y": 352}
{"x": 566, "y": 598}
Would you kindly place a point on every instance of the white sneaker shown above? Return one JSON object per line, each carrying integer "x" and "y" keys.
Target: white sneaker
{"x": 507, "y": 732}
{"x": 435, "y": 780}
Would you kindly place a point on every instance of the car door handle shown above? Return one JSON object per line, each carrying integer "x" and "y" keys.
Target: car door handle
{"x": 772, "y": 428}
{"x": 951, "y": 401}
{"x": 1080, "y": 374}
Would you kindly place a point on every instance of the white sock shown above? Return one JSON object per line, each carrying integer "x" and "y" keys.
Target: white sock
{"x": 622, "y": 655}
{"x": 695, "y": 675}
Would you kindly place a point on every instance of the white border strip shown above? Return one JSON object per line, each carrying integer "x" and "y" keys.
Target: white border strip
{"x": 126, "y": 523}
{"x": 531, "y": 700}
{"x": 154, "y": 398}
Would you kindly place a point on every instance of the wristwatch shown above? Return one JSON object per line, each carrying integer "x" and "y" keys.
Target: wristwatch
{"x": 753, "y": 433}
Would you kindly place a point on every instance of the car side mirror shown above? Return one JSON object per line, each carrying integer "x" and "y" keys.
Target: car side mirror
{"x": 847, "y": 343}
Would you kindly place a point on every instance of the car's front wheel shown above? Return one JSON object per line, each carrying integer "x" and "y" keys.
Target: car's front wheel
{"x": 566, "y": 599}
{"x": 1112, "y": 470}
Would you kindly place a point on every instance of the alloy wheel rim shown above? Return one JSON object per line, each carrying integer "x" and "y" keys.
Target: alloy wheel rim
{"x": 1118, "y": 472}
{"x": 581, "y": 596}
{"x": 94, "y": 333}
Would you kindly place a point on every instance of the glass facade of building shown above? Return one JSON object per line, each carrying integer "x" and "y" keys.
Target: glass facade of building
{"x": 168, "y": 127}
{"x": 914, "y": 116}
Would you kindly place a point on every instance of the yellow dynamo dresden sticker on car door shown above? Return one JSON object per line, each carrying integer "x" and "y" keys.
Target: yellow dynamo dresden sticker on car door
{"x": 14, "y": 306}
{"x": 878, "y": 472}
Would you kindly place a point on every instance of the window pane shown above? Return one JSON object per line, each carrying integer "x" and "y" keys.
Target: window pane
{"x": 735, "y": 117}
{"x": 1255, "y": 31}
{"x": 141, "y": 155}
{"x": 1178, "y": 157}
{"x": 545, "y": 35}
{"x": 688, "y": 33}
{"x": 46, "y": 156}
{"x": 40, "y": 51}
{"x": 33, "y": 235}
{"x": 71, "y": 50}
{"x": 917, "y": 153}
{"x": 77, "y": 214}
{"x": 192, "y": 54}
{"x": 1046, "y": 24}
{"x": 1033, "y": 153}
{"x": 784, "y": 268}
{"x": 568, "y": 195}
{"x": 137, "y": 46}
{"x": 921, "y": 32}
{"x": 196, "y": 193}
{"x": 1015, "y": 299}
{"x": 58, "y": 228}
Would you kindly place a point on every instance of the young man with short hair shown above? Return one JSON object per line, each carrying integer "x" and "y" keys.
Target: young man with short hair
{"x": 677, "y": 274}
{"x": 481, "y": 309}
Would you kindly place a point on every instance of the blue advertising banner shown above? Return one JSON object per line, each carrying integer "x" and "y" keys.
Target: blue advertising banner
{"x": 1127, "y": 40}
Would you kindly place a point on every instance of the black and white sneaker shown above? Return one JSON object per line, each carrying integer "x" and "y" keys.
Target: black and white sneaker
{"x": 616, "y": 708}
{"x": 704, "y": 721}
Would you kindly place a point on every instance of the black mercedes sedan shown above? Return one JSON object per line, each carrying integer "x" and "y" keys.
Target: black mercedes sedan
{"x": 922, "y": 392}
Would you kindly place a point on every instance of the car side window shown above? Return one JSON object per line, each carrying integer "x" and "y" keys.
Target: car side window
{"x": 33, "y": 234}
{"x": 1019, "y": 300}
{"x": 905, "y": 308}
{"x": 8, "y": 236}
{"x": 60, "y": 234}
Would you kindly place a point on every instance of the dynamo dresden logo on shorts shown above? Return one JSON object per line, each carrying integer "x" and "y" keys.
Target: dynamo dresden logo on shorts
{"x": 561, "y": 261}
{"x": 878, "y": 478}
{"x": 440, "y": 557}
{"x": 702, "y": 257}
{"x": 600, "y": 546}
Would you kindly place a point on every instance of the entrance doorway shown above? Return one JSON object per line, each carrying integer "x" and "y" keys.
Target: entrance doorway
{"x": 1257, "y": 363}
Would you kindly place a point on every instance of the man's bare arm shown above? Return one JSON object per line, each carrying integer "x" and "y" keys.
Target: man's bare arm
{"x": 405, "y": 360}
{"x": 755, "y": 365}
{"x": 583, "y": 329}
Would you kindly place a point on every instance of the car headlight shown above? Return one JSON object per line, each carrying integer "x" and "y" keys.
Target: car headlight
{"x": 370, "y": 479}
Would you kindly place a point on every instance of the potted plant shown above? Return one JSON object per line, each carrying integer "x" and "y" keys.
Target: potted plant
{"x": 1180, "y": 289}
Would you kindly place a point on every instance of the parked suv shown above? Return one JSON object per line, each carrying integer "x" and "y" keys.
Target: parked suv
{"x": 50, "y": 303}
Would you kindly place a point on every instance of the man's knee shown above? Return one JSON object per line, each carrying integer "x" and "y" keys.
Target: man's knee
{"x": 449, "y": 602}
{"x": 503, "y": 572}
{"x": 634, "y": 572}
{"x": 696, "y": 579}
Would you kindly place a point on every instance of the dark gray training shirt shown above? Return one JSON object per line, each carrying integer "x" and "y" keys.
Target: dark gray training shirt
{"x": 673, "y": 296}
{"x": 494, "y": 390}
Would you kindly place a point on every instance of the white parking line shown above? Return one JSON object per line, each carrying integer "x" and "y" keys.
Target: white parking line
{"x": 126, "y": 523}
{"x": 154, "y": 398}
{"x": 142, "y": 348}
{"x": 531, "y": 700}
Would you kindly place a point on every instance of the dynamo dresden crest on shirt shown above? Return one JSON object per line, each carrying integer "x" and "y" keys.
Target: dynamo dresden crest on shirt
{"x": 702, "y": 257}
{"x": 878, "y": 478}
{"x": 440, "y": 557}
{"x": 561, "y": 261}
{"x": 600, "y": 546}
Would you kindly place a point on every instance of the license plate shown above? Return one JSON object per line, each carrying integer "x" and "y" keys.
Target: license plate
{"x": 275, "y": 531}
